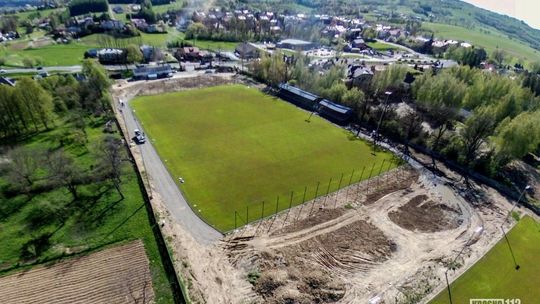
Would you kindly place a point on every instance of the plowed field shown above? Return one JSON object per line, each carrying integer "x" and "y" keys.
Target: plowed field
{"x": 116, "y": 275}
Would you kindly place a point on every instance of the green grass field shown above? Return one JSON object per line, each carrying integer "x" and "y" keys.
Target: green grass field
{"x": 50, "y": 55}
{"x": 494, "y": 276}
{"x": 381, "y": 46}
{"x": 489, "y": 41}
{"x": 210, "y": 44}
{"x": 236, "y": 147}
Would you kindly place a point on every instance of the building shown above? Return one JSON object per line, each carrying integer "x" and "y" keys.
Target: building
{"x": 359, "y": 76}
{"x": 7, "y": 81}
{"x": 296, "y": 44}
{"x": 298, "y": 96}
{"x": 111, "y": 56}
{"x": 149, "y": 72}
{"x": 246, "y": 50}
{"x": 188, "y": 53}
{"x": 118, "y": 10}
{"x": 359, "y": 43}
{"x": 110, "y": 25}
{"x": 335, "y": 112}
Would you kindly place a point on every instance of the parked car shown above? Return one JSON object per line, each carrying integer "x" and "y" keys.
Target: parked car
{"x": 2, "y": 71}
{"x": 139, "y": 136}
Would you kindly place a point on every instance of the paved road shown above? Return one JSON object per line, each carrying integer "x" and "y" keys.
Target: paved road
{"x": 167, "y": 187}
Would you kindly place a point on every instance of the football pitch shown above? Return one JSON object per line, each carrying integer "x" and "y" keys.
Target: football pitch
{"x": 236, "y": 147}
{"x": 495, "y": 276}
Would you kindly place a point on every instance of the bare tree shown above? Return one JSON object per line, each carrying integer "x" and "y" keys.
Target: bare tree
{"x": 22, "y": 166}
{"x": 412, "y": 126}
{"x": 64, "y": 172}
{"x": 112, "y": 155}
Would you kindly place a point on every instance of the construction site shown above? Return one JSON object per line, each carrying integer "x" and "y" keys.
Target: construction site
{"x": 388, "y": 239}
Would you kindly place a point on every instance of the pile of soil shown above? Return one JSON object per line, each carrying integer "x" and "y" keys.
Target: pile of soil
{"x": 424, "y": 215}
{"x": 392, "y": 186}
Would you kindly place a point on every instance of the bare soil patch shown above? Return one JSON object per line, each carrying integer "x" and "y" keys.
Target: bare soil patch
{"x": 116, "y": 275}
{"x": 423, "y": 214}
{"x": 393, "y": 186}
{"x": 324, "y": 215}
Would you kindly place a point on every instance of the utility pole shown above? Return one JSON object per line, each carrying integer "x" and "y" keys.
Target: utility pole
{"x": 516, "y": 265}
{"x": 385, "y": 105}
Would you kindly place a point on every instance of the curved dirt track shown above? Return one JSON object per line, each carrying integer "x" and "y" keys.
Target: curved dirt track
{"x": 116, "y": 275}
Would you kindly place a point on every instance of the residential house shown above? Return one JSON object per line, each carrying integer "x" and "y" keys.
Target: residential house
{"x": 110, "y": 25}
{"x": 246, "y": 50}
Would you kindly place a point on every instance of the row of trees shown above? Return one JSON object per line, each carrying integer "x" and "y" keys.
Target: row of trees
{"x": 481, "y": 120}
{"x": 31, "y": 106}
{"x": 81, "y": 7}
{"x": 38, "y": 169}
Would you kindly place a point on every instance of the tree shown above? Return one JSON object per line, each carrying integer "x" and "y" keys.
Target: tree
{"x": 369, "y": 33}
{"x": 28, "y": 62}
{"x": 134, "y": 54}
{"x": 63, "y": 172}
{"x": 196, "y": 30}
{"x": 412, "y": 125}
{"x": 498, "y": 56}
{"x": 519, "y": 136}
{"x": 474, "y": 133}
{"x": 93, "y": 90}
{"x": 111, "y": 155}
{"x": 390, "y": 79}
{"x": 8, "y": 23}
{"x": 335, "y": 92}
{"x": 35, "y": 100}
{"x": 441, "y": 97}
{"x": 22, "y": 166}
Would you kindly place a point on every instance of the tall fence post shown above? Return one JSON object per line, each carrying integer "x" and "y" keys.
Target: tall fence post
{"x": 369, "y": 178}
{"x": 388, "y": 170}
{"x": 337, "y": 191}
{"x": 275, "y": 214}
{"x": 379, "y": 175}
{"x": 360, "y": 181}
{"x": 348, "y": 187}
{"x": 288, "y": 210}
{"x": 302, "y": 206}
{"x": 314, "y": 198}
{"x": 262, "y": 212}
{"x": 327, "y": 191}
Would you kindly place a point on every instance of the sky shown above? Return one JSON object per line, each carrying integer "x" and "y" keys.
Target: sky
{"x": 526, "y": 10}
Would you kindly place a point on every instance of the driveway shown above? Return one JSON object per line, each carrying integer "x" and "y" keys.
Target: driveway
{"x": 167, "y": 187}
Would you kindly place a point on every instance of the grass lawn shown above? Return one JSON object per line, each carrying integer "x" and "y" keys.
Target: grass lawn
{"x": 381, "y": 46}
{"x": 236, "y": 147}
{"x": 490, "y": 41}
{"x": 494, "y": 275}
{"x": 210, "y": 44}
{"x": 50, "y": 55}
{"x": 99, "y": 217}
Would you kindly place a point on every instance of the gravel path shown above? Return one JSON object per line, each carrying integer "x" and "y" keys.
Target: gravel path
{"x": 163, "y": 183}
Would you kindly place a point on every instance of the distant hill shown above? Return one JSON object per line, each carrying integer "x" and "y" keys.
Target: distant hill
{"x": 483, "y": 27}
